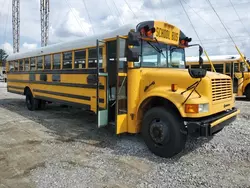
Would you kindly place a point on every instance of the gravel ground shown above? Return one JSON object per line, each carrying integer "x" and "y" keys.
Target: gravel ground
{"x": 62, "y": 147}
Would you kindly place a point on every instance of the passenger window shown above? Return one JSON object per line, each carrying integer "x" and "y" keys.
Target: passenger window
{"x": 56, "y": 61}
{"x": 228, "y": 67}
{"x": 15, "y": 65}
{"x": 33, "y": 63}
{"x": 67, "y": 60}
{"x": 21, "y": 65}
{"x": 26, "y": 64}
{"x": 93, "y": 58}
{"x": 47, "y": 62}
{"x": 11, "y": 66}
{"x": 219, "y": 68}
{"x": 40, "y": 63}
{"x": 236, "y": 67}
{"x": 80, "y": 59}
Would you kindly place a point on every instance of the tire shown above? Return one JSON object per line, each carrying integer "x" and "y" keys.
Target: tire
{"x": 31, "y": 102}
{"x": 41, "y": 104}
{"x": 162, "y": 132}
{"x": 248, "y": 93}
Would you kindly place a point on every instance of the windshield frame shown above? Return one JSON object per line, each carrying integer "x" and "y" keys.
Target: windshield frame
{"x": 166, "y": 52}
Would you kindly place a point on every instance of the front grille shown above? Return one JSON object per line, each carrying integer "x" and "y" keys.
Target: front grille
{"x": 221, "y": 89}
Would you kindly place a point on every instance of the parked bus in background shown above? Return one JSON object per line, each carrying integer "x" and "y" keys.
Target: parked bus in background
{"x": 231, "y": 65}
{"x": 133, "y": 78}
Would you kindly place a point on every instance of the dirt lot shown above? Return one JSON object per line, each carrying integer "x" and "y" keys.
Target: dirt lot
{"x": 62, "y": 147}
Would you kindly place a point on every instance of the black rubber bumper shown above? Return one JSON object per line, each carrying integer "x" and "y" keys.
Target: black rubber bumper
{"x": 202, "y": 126}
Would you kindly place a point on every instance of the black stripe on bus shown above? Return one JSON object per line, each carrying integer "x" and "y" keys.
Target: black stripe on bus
{"x": 16, "y": 92}
{"x": 85, "y": 106}
{"x": 89, "y": 86}
{"x": 101, "y": 100}
{"x": 66, "y": 71}
{"x": 15, "y": 87}
{"x": 63, "y": 94}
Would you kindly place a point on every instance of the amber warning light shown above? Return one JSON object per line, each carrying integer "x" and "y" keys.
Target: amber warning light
{"x": 145, "y": 31}
{"x": 185, "y": 41}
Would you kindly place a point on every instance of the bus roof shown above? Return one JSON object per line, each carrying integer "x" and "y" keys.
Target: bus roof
{"x": 73, "y": 44}
{"x": 217, "y": 58}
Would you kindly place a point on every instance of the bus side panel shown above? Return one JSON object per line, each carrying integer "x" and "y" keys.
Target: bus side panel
{"x": 72, "y": 88}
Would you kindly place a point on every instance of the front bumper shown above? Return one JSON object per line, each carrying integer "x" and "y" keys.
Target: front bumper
{"x": 208, "y": 126}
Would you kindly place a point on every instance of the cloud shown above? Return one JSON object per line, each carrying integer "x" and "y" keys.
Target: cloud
{"x": 27, "y": 46}
{"x": 71, "y": 20}
{"x": 7, "y": 47}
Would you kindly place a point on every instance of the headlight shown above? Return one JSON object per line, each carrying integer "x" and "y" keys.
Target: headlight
{"x": 196, "y": 108}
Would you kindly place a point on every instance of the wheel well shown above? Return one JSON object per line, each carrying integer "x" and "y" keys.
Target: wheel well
{"x": 156, "y": 101}
{"x": 246, "y": 88}
{"x": 26, "y": 89}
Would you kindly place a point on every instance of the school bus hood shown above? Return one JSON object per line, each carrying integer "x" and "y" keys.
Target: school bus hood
{"x": 184, "y": 72}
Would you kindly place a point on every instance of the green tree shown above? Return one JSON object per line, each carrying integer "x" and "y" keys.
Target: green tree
{"x": 3, "y": 57}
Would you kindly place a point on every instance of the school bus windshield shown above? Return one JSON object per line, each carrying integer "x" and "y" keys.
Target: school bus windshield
{"x": 156, "y": 54}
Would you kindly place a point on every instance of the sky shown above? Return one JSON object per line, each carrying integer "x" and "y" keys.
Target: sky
{"x": 72, "y": 19}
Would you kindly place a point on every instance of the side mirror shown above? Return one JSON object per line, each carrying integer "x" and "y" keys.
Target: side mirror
{"x": 134, "y": 38}
{"x": 200, "y": 50}
{"x": 197, "y": 73}
{"x": 200, "y": 62}
{"x": 133, "y": 54}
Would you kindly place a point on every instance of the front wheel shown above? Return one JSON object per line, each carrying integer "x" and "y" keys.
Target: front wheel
{"x": 248, "y": 93}
{"x": 162, "y": 132}
{"x": 31, "y": 102}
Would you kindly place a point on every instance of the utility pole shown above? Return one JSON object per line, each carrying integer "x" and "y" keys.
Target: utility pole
{"x": 44, "y": 11}
{"x": 16, "y": 24}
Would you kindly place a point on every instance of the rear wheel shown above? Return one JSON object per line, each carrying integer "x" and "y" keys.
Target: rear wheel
{"x": 162, "y": 132}
{"x": 31, "y": 102}
{"x": 248, "y": 92}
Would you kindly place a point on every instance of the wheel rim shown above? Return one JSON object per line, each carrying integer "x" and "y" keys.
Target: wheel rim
{"x": 159, "y": 132}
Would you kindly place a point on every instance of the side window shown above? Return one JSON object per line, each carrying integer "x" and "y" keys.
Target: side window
{"x": 26, "y": 64}
{"x": 16, "y": 65}
{"x": 80, "y": 59}
{"x": 228, "y": 68}
{"x": 56, "y": 61}
{"x": 67, "y": 60}
{"x": 236, "y": 67}
{"x": 93, "y": 58}
{"x": 40, "y": 63}
{"x": 47, "y": 62}
{"x": 11, "y": 66}
{"x": 21, "y": 65}
{"x": 33, "y": 63}
{"x": 219, "y": 68}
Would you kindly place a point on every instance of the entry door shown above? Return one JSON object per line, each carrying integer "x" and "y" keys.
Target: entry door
{"x": 121, "y": 86}
{"x": 101, "y": 91}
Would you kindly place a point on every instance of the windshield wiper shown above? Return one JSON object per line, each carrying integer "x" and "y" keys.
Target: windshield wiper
{"x": 160, "y": 50}
{"x": 156, "y": 48}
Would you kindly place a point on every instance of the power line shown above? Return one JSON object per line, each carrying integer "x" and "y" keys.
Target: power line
{"x": 118, "y": 17}
{"x": 131, "y": 9}
{"x": 239, "y": 18}
{"x": 88, "y": 16}
{"x": 221, "y": 21}
{"x": 202, "y": 19}
{"x": 220, "y": 7}
{"x": 118, "y": 12}
{"x": 190, "y": 22}
{"x": 75, "y": 17}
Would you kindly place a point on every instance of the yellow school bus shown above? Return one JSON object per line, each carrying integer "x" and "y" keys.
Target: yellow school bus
{"x": 133, "y": 78}
{"x": 231, "y": 65}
